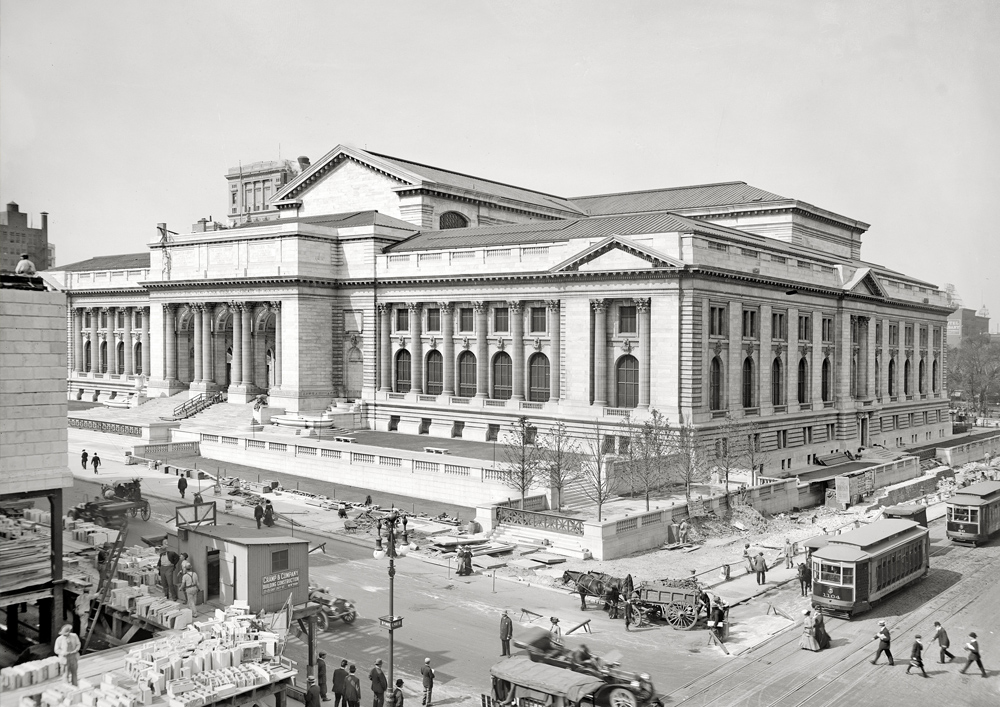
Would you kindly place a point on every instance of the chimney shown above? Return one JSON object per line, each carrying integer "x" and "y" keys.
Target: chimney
{"x": 303, "y": 163}
{"x": 12, "y": 206}
{"x": 45, "y": 222}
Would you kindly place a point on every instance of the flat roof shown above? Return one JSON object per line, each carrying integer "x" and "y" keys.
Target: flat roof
{"x": 249, "y": 536}
{"x": 975, "y": 495}
{"x": 840, "y": 553}
{"x": 875, "y": 533}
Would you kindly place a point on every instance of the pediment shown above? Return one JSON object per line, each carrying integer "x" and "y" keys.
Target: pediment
{"x": 616, "y": 253}
{"x": 865, "y": 282}
{"x": 317, "y": 171}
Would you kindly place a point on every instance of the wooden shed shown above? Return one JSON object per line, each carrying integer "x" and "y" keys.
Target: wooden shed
{"x": 261, "y": 567}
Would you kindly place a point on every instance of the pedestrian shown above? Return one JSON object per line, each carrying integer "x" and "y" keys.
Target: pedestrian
{"x": 427, "y": 672}
{"x": 182, "y": 484}
{"x": 67, "y": 647}
{"x": 189, "y": 582}
{"x": 379, "y": 684}
{"x": 95, "y": 461}
{"x": 397, "y": 694}
{"x": 555, "y": 631}
{"x": 506, "y": 632}
{"x": 321, "y": 676}
{"x": 973, "y": 648}
{"x": 629, "y": 612}
{"x": 368, "y": 500}
{"x": 884, "y": 640}
{"x": 312, "y": 692}
{"x": 718, "y": 617}
{"x": 178, "y": 576}
{"x": 747, "y": 558}
{"x": 258, "y": 513}
{"x": 819, "y": 625}
{"x": 352, "y": 688}
{"x": 805, "y": 580}
{"x": 941, "y": 636}
{"x": 268, "y": 514}
{"x": 339, "y": 682}
{"x": 916, "y": 657}
{"x": 684, "y": 531}
{"x": 27, "y": 268}
{"x": 808, "y": 641}
{"x": 760, "y": 567}
{"x": 83, "y": 459}
{"x": 167, "y": 566}
{"x": 789, "y": 554}
{"x": 613, "y": 598}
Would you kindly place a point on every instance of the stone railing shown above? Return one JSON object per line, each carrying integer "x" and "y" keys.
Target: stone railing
{"x": 112, "y": 428}
{"x": 541, "y": 521}
{"x": 163, "y": 451}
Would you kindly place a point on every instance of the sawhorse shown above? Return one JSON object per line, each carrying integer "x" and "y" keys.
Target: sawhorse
{"x": 585, "y": 625}
{"x": 534, "y": 615}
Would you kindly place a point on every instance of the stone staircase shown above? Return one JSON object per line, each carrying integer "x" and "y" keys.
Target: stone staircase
{"x": 525, "y": 537}
{"x": 574, "y": 496}
{"x": 231, "y": 417}
{"x": 880, "y": 455}
{"x": 150, "y": 411}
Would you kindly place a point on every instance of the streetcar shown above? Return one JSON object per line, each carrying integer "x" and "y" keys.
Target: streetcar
{"x": 856, "y": 570}
{"x": 974, "y": 513}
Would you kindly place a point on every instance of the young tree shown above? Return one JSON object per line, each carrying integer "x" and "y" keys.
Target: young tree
{"x": 730, "y": 449}
{"x": 597, "y": 471}
{"x": 974, "y": 368}
{"x": 690, "y": 462}
{"x": 754, "y": 456}
{"x": 628, "y": 433}
{"x": 560, "y": 460}
{"x": 651, "y": 451}
{"x": 522, "y": 458}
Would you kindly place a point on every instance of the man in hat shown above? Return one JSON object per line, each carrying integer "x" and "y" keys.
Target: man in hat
{"x": 352, "y": 687}
{"x": 760, "y": 567}
{"x": 25, "y": 267}
{"x": 506, "y": 632}
{"x": 339, "y": 683}
{"x": 67, "y": 647}
{"x": 95, "y": 461}
{"x": 973, "y": 649}
{"x": 427, "y": 672}
{"x": 379, "y": 684}
{"x": 182, "y": 484}
{"x": 941, "y": 636}
{"x": 916, "y": 657}
{"x": 258, "y": 513}
{"x": 83, "y": 459}
{"x": 883, "y": 644}
{"x": 397, "y": 694}
{"x": 167, "y": 565}
{"x": 313, "y": 697}
{"x": 321, "y": 675}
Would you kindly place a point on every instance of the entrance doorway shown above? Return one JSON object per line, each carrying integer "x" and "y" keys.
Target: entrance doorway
{"x": 212, "y": 575}
{"x": 863, "y": 423}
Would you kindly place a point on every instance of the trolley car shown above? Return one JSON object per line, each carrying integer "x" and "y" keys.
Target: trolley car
{"x": 856, "y": 570}
{"x": 974, "y": 513}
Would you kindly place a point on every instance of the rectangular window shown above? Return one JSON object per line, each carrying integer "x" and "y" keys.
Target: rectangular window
{"x": 492, "y": 433}
{"x": 749, "y": 323}
{"x": 893, "y": 335}
{"x": 909, "y": 335}
{"x": 937, "y": 338}
{"x": 279, "y": 560}
{"x": 627, "y": 323}
{"x": 402, "y": 320}
{"x": 538, "y": 321}
{"x": 465, "y": 319}
{"x": 805, "y": 327}
{"x": 831, "y": 431}
{"x": 717, "y": 320}
{"x": 878, "y": 333}
{"x": 501, "y": 319}
{"x": 782, "y": 438}
{"x": 434, "y": 319}
{"x": 807, "y": 435}
{"x": 779, "y": 330}
{"x": 923, "y": 337}
{"x": 608, "y": 445}
{"x": 827, "y": 329}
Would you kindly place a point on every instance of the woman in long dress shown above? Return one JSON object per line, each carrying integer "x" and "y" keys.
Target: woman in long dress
{"x": 819, "y": 627}
{"x": 808, "y": 641}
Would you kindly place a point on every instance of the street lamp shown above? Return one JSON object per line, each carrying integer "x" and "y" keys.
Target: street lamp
{"x": 389, "y": 528}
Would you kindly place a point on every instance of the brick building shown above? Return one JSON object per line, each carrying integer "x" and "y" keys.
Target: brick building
{"x": 17, "y": 237}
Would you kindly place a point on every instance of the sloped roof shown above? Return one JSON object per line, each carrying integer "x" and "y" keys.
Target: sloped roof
{"x": 691, "y": 197}
{"x": 126, "y": 261}
{"x": 874, "y": 533}
{"x": 557, "y": 231}
{"x": 357, "y": 218}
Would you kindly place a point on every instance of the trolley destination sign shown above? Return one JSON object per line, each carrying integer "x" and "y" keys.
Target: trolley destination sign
{"x": 278, "y": 581}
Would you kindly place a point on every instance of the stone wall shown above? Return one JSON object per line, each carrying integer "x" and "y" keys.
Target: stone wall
{"x": 971, "y": 452}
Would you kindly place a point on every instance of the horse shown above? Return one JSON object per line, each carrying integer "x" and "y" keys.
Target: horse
{"x": 597, "y": 584}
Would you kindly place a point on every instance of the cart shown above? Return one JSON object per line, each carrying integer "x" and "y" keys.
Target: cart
{"x": 110, "y": 514}
{"x": 131, "y": 492}
{"x": 657, "y": 600}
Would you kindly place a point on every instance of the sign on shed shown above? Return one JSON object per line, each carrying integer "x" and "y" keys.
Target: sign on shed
{"x": 279, "y": 581}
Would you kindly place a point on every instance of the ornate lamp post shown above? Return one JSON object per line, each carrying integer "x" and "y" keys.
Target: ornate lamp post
{"x": 389, "y": 528}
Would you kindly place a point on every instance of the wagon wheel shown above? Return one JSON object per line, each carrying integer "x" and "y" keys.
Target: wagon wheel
{"x": 145, "y": 511}
{"x": 135, "y": 511}
{"x": 620, "y": 697}
{"x": 349, "y": 617}
{"x": 681, "y": 616}
{"x": 636, "y": 617}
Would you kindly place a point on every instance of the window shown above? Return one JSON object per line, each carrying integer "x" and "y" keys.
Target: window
{"x": 137, "y": 359}
{"x": 748, "y": 383}
{"x": 854, "y": 375}
{"x": 608, "y": 444}
{"x": 906, "y": 377}
{"x": 878, "y": 333}
{"x": 908, "y": 332}
{"x": 803, "y": 381}
{"x": 893, "y": 335}
{"x": 892, "y": 376}
{"x": 779, "y": 329}
{"x": 86, "y": 357}
{"x": 807, "y": 435}
{"x": 104, "y": 356}
{"x": 839, "y": 575}
{"x": 120, "y": 357}
{"x": 538, "y": 321}
{"x": 922, "y": 377}
{"x": 467, "y": 374}
{"x": 831, "y": 431}
{"x": 923, "y": 337}
{"x": 501, "y": 319}
{"x": 138, "y": 318}
{"x": 878, "y": 376}
{"x": 934, "y": 376}
{"x": 465, "y": 319}
{"x": 435, "y": 373}
{"x": 502, "y": 376}
{"x": 827, "y": 382}
{"x": 717, "y": 320}
{"x": 827, "y": 329}
{"x": 452, "y": 219}
{"x": 434, "y": 319}
{"x": 937, "y": 338}
{"x": 781, "y": 438}
{"x": 715, "y": 384}
{"x": 538, "y": 378}
{"x": 749, "y": 323}
{"x": 627, "y": 323}
{"x": 403, "y": 371}
{"x": 402, "y": 320}
{"x": 777, "y": 382}
{"x": 627, "y": 382}
{"x": 492, "y": 433}
{"x": 279, "y": 560}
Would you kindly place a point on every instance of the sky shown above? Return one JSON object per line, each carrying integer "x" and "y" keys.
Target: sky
{"x": 117, "y": 115}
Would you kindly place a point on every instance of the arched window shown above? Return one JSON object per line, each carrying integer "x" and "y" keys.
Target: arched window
{"x": 503, "y": 373}
{"x": 120, "y": 357}
{"x": 403, "y": 371}
{"x": 137, "y": 358}
{"x": 627, "y": 382}
{"x": 538, "y": 378}
{"x": 935, "y": 383}
{"x": 878, "y": 376}
{"x": 104, "y": 356}
{"x": 86, "y": 356}
{"x": 748, "y": 383}
{"x": 435, "y": 373}
{"x": 467, "y": 374}
{"x": 922, "y": 377}
{"x": 777, "y": 383}
{"x": 907, "y": 370}
{"x": 452, "y": 219}
{"x": 715, "y": 384}
{"x": 827, "y": 380}
{"x": 803, "y": 382}
{"x": 892, "y": 376}
{"x": 854, "y": 375}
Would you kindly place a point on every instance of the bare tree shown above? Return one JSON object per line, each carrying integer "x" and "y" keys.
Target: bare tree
{"x": 974, "y": 368}
{"x": 522, "y": 458}
{"x": 730, "y": 449}
{"x": 690, "y": 463}
{"x": 628, "y": 432}
{"x": 650, "y": 453}
{"x": 560, "y": 459}
{"x": 754, "y": 456}
{"x": 596, "y": 472}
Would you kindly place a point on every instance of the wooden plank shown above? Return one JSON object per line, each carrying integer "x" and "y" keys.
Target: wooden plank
{"x": 548, "y": 558}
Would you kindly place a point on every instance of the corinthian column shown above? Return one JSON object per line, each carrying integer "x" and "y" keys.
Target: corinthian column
{"x": 482, "y": 351}
{"x": 385, "y": 347}
{"x": 78, "y": 363}
{"x": 517, "y": 371}
{"x": 127, "y": 338}
{"x": 600, "y": 351}
{"x": 448, "y": 346}
{"x": 276, "y": 307}
{"x": 144, "y": 340}
{"x": 197, "y": 311}
{"x": 554, "y": 354}
{"x": 247, "y": 346}
{"x": 645, "y": 349}
{"x": 417, "y": 364}
{"x": 207, "y": 362}
{"x": 170, "y": 342}
{"x": 237, "y": 364}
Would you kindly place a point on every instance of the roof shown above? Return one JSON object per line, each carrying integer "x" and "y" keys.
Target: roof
{"x": 249, "y": 536}
{"x": 690, "y": 197}
{"x": 109, "y": 262}
{"x": 874, "y": 533}
{"x": 976, "y": 494}
{"x": 520, "y": 670}
{"x": 348, "y": 219}
{"x": 905, "y": 510}
{"x": 817, "y": 542}
{"x": 839, "y": 553}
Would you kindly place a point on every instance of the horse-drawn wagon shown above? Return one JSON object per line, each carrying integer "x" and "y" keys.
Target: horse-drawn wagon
{"x": 120, "y": 499}
{"x": 658, "y": 600}
{"x": 130, "y": 491}
{"x": 609, "y": 590}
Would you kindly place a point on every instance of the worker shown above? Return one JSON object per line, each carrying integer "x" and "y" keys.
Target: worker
{"x": 67, "y": 647}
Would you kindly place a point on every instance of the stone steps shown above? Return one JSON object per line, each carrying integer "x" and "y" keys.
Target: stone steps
{"x": 559, "y": 544}
{"x": 223, "y": 416}
{"x": 150, "y": 411}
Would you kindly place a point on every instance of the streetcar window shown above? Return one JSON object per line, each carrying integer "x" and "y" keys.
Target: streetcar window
{"x": 973, "y": 515}
{"x": 951, "y": 513}
{"x": 835, "y": 574}
{"x": 961, "y": 514}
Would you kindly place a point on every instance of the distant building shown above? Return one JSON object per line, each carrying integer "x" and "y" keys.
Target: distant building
{"x": 965, "y": 322}
{"x": 17, "y": 237}
{"x": 252, "y": 186}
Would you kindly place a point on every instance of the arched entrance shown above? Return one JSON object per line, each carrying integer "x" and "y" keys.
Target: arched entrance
{"x": 355, "y": 373}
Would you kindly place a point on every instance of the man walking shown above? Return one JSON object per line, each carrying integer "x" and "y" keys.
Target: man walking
{"x": 321, "y": 676}
{"x": 805, "y": 579}
{"x": 189, "y": 583}
{"x": 397, "y": 694}
{"x": 339, "y": 682}
{"x": 428, "y": 675}
{"x": 760, "y": 567}
{"x": 789, "y": 554}
{"x": 67, "y": 647}
{"x": 95, "y": 461}
{"x": 352, "y": 688}
{"x": 182, "y": 484}
{"x": 941, "y": 636}
{"x": 258, "y": 513}
{"x": 167, "y": 565}
{"x": 83, "y": 459}
{"x": 379, "y": 684}
{"x": 973, "y": 648}
{"x": 883, "y": 644}
{"x": 916, "y": 659}
{"x": 312, "y": 693}
{"x": 506, "y": 632}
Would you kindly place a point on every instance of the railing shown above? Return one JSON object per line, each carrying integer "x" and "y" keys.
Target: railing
{"x": 165, "y": 449}
{"x": 496, "y": 403}
{"x": 113, "y": 428}
{"x": 197, "y": 404}
{"x": 542, "y": 521}
{"x": 397, "y": 396}
{"x": 427, "y": 398}
{"x": 532, "y": 406}
{"x": 460, "y": 401}
{"x": 617, "y": 412}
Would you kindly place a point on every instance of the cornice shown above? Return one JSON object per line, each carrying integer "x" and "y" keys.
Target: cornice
{"x": 423, "y": 190}
{"x": 238, "y": 281}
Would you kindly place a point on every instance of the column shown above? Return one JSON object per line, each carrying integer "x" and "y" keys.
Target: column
{"x": 448, "y": 346}
{"x": 170, "y": 342}
{"x": 416, "y": 349}
{"x": 237, "y": 364}
{"x": 207, "y": 362}
{"x": 276, "y": 307}
{"x": 645, "y": 349}
{"x": 95, "y": 343}
{"x": 482, "y": 351}
{"x": 108, "y": 334}
{"x": 78, "y": 364}
{"x": 600, "y": 308}
{"x": 517, "y": 319}
{"x": 554, "y": 353}
{"x": 127, "y": 338}
{"x": 869, "y": 344}
{"x": 144, "y": 340}
{"x": 247, "y": 347}
{"x": 197, "y": 311}
{"x": 385, "y": 347}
